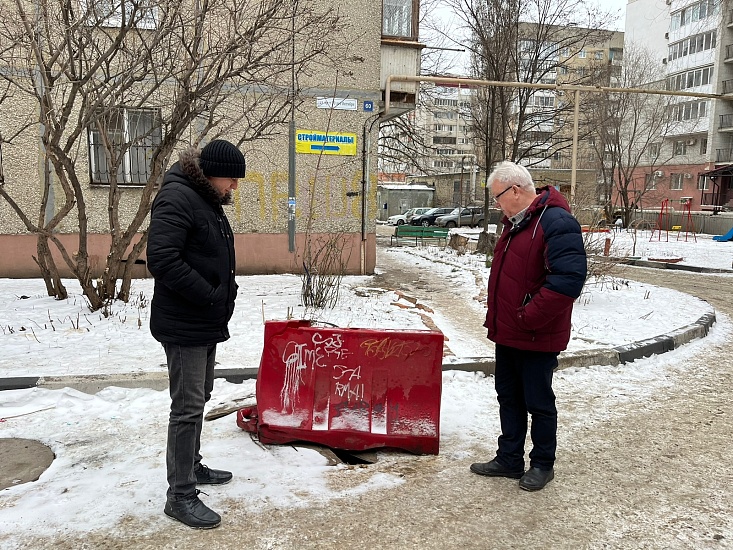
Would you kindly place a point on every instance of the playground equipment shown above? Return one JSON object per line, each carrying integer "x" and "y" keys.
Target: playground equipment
{"x": 662, "y": 222}
{"x": 724, "y": 238}
{"x": 687, "y": 221}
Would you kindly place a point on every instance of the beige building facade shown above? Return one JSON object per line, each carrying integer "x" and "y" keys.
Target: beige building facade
{"x": 335, "y": 180}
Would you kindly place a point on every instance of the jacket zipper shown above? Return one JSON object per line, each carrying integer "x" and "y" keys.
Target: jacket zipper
{"x": 496, "y": 301}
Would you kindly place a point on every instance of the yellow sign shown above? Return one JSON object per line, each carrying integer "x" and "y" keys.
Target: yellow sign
{"x": 316, "y": 142}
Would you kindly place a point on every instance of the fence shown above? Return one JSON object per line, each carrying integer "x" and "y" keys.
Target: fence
{"x": 705, "y": 223}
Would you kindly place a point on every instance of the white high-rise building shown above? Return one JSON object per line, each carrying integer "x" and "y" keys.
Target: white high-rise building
{"x": 694, "y": 41}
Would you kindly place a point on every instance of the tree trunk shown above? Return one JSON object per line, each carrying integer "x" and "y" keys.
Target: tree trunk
{"x": 49, "y": 271}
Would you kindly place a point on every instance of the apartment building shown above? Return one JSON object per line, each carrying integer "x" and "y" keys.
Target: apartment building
{"x": 339, "y": 101}
{"x": 692, "y": 163}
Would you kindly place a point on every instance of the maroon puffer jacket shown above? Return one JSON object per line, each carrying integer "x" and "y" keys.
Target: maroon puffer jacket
{"x": 538, "y": 271}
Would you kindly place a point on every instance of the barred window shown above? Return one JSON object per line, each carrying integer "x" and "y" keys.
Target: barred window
{"x": 122, "y": 141}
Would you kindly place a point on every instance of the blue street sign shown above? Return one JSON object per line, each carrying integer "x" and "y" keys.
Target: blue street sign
{"x": 368, "y": 106}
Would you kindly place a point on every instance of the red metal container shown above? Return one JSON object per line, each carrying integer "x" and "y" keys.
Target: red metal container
{"x": 351, "y": 389}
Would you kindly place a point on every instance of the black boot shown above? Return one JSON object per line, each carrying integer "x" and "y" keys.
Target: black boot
{"x": 192, "y": 512}
{"x": 494, "y": 469}
{"x": 209, "y": 476}
{"x": 536, "y": 479}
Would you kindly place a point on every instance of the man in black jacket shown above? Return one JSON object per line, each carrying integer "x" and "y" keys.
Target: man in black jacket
{"x": 191, "y": 255}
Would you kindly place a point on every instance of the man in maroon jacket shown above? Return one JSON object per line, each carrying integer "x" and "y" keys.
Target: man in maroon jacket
{"x": 538, "y": 271}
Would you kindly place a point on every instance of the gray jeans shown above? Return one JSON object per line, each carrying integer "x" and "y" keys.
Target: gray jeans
{"x": 191, "y": 375}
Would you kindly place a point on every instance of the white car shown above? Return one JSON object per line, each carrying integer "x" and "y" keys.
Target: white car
{"x": 401, "y": 219}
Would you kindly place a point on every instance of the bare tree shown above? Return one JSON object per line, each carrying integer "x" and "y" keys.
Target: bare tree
{"x": 628, "y": 132}
{"x": 521, "y": 40}
{"x": 120, "y": 85}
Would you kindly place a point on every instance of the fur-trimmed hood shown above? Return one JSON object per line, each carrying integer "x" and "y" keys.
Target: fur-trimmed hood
{"x": 188, "y": 172}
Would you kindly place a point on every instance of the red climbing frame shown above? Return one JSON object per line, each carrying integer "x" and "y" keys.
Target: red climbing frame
{"x": 687, "y": 221}
{"x": 662, "y": 222}
{"x": 351, "y": 389}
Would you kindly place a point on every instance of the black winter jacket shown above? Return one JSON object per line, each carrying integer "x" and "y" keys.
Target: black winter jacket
{"x": 191, "y": 255}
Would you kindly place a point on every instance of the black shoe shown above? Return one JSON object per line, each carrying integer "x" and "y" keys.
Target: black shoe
{"x": 494, "y": 469}
{"x": 192, "y": 512}
{"x": 209, "y": 476}
{"x": 535, "y": 479}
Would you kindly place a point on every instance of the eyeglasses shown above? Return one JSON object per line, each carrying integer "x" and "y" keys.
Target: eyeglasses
{"x": 496, "y": 197}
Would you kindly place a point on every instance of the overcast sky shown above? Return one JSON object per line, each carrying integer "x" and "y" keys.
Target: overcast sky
{"x": 445, "y": 18}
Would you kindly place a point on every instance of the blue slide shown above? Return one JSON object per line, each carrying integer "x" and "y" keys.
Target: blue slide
{"x": 727, "y": 237}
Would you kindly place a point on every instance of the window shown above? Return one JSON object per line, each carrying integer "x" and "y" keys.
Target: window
{"x": 442, "y": 164}
{"x": 581, "y": 54}
{"x": 693, "y": 44}
{"x": 133, "y": 135}
{"x": 680, "y": 147}
{"x": 442, "y": 102}
{"x": 650, "y": 182}
{"x": 695, "y": 12}
{"x": 109, "y": 13}
{"x": 445, "y": 128}
{"x": 544, "y": 101}
{"x": 444, "y": 140}
{"x": 703, "y": 184}
{"x": 689, "y": 110}
{"x": 703, "y": 146}
{"x": 397, "y": 18}
{"x": 598, "y": 54}
{"x": 675, "y": 182}
{"x": 653, "y": 150}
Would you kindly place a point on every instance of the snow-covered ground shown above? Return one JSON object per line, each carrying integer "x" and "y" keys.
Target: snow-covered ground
{"x": 44, "y": 337}
{"x": 110, "y": 447}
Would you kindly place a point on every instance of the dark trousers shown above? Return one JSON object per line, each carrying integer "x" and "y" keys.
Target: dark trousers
{"x": 191, "y": 374}
{"x": 523, "y": 381}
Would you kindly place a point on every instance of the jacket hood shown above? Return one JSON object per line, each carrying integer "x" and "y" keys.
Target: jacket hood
{"x": 188, "y": 172}
{"x": 546, "y": 197}
{"x": 549, "y": 196}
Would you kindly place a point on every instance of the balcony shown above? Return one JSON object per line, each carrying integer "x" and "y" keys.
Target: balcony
{"x": 400, "y": 52}
{"x": 728, "y": 54}
{"x": 726, "y": 123}
{"x": 727, "y": 87}
{"x": 729, "y": 20}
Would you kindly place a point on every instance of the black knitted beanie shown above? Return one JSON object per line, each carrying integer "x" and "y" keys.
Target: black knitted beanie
{"x": 221, "y": 159}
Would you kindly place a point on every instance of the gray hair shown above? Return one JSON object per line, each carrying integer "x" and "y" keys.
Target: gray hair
{"x": 513, "y": 174}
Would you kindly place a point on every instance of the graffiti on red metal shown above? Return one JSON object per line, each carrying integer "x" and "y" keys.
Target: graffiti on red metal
{"x": 387, "y": 347}
{"x": 299, "y": 357}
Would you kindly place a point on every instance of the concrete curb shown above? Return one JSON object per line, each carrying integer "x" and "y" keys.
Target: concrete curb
{"x": 678, "y": 267}
{"x": 92, "y": 383}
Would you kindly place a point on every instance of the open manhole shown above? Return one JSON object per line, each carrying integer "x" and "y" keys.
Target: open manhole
{"x": 23, "y": 460}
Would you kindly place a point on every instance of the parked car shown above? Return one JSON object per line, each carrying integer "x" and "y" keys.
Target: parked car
{"x": 405, "y": 217}
{"x": 416, "y": 212}
{"x": 471, "y": 216}
{"x": 428, "y": 218}
{"x": 398, "y": 219}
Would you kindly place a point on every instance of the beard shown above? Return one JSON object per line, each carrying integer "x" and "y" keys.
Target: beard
{"x": 227, "y": 198}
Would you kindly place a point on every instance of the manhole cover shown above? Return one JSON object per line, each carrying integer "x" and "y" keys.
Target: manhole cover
{"x": 23, "y": 460}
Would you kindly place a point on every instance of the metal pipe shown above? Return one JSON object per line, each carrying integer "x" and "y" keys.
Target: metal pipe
{"x": 574, "y": 158}
{"x": 557, "y": 87}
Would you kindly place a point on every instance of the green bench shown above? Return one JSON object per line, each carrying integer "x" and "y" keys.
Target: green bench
{"x": 419, "y": 233}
